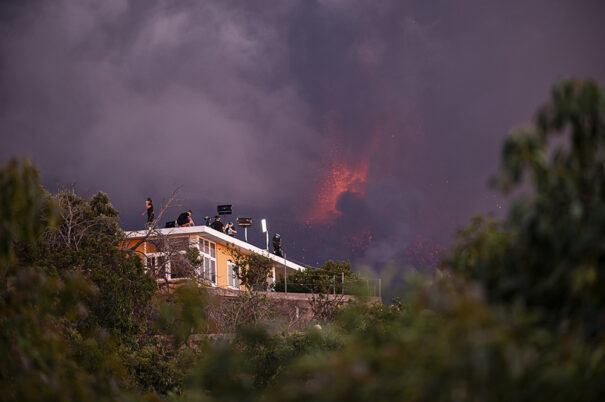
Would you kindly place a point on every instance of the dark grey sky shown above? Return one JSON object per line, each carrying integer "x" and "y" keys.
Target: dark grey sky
{"x": 353, "y": 126}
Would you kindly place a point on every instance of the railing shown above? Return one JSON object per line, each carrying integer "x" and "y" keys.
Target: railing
{"x": 330, "y": 284}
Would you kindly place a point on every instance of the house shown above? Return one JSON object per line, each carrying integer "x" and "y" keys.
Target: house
{"x": 164, "y": 255}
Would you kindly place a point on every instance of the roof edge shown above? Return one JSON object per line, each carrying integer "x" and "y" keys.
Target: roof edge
{"x": 216, "y": 236}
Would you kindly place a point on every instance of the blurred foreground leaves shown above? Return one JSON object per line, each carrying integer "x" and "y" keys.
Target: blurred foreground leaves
{"x": 549, "y": 255}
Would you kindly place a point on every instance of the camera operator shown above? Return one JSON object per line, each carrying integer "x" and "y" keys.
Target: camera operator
{"x": 230, "y": 230}
{"x": 217, "y": 224}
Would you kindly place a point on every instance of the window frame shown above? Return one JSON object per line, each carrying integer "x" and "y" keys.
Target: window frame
{"x": 232, "y": 281}
{"x": 208, "y": 254}
{"x": 167, "y": 271}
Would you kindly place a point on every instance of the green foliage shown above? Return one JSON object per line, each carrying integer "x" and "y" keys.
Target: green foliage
{"x": 184, "y": 313}
{"x": 548, "y": 255}
{"x": 124, "y": 296}
{"x": 158, "y": 369}
{"x": 86, "y": 239}
{"x": 243, "y": 368}
{"x": 25, "y": 212}
{"x": 44, "y": 357}
{"x": 326, "y": 279}
{"x": 73, "y": 305}
{"x": 193, "y": 256}
{"x": 448, "y": 344}
{"x": 252, "y": 270}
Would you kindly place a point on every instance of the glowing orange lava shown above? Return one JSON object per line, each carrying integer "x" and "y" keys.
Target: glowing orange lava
{"x": 342, "y": 177}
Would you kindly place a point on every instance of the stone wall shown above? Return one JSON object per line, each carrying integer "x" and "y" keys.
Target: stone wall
{"x": 292, "y": 310}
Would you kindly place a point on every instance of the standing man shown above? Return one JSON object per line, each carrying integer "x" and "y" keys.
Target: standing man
{"x": 149, "y": 211}
{"x": 217, "y": 224}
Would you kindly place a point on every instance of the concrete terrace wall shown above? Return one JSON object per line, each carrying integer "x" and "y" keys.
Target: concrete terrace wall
{"x": 291, "y": 308}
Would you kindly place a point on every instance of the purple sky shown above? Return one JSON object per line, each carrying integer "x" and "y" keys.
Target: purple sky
{"x": 353, "y": 126}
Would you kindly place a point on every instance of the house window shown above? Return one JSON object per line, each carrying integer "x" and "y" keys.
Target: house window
{"x": 179, "y": 266}
{"x": 158, "y": 264}
{"x": 232, "y": 279}
{"x": 163, "y": 266}
{"x": 208, "y": 257}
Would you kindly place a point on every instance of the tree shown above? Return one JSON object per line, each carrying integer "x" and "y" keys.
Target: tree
{"x": 87, "y": 240}
{"x": 252, "y": 270}
{"x": 549, "y": 254}
{"x": 44, "y": 357}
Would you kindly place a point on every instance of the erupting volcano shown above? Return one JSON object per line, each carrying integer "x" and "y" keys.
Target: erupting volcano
{"x": 341, "y": 177}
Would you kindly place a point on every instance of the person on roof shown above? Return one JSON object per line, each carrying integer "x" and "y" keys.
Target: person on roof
{"x": 217, "y": 224}
{"x": 185, "y": 219}
{"x": 149, "y": 211}
{"x": 230, "y": 230}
